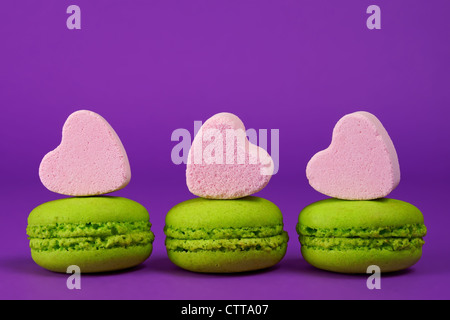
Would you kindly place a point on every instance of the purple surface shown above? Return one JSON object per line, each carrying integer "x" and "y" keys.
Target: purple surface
{"x": 150, "y": 67}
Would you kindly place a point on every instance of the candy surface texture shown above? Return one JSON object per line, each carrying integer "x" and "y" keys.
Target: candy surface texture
{"x": 223, "y": 164}
{"x": 360, "y": 164}
{"x": 90, "y": 160}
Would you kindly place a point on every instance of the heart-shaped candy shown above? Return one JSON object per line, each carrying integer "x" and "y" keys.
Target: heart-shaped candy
{"x": 90, "y": 160}
{"x": 360, "y": 164}
{"x": 223, "y": 164}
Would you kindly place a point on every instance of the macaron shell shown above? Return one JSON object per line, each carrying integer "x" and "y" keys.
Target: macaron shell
{"x": 87, "y": 210}
{"x": 335, "y": 213}
{"x": 357, "y": 261}
{"x": 93, "y": 261}
{"x": 207, "y": 213}
{"x": 227, "y": 262}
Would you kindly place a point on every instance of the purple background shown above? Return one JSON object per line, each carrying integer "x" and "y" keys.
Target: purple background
{"x": 150, "y": 67}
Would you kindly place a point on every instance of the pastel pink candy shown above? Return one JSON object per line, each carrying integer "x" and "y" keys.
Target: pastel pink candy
{"x": 90, "y": 160}
{"x": 221, "y": 166}
{"x": 360, "y": 164}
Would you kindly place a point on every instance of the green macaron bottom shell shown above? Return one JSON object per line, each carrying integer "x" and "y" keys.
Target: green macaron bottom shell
{"x": 225, "y": 236}
{"x": 227, "y": 261}
{"x": 357, "y": 261}
{"x": 227, "y": 255}
{"x": 97, "y": 234}
{"x": 93, "y": 261}
{"x": 349, "y": 236}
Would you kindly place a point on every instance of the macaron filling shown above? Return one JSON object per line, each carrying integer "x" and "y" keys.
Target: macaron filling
{"x": 223, "y": 233}
{"x": 89, "y": 236}
{"x": 265, "y": 238}
{"x": 407, "y": 237}
{"x": 405, "y": 231}
{"x": 243, "y": 244}
{"x": 392, "y": 244}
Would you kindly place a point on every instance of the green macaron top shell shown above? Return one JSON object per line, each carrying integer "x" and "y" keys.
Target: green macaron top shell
{"x": 88, "y": 223}
{"x": 88, "y": 210}
{"x": 252, "y": 213}
{"x": 336, "y": 214}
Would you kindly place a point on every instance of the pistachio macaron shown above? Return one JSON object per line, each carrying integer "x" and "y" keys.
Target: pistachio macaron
{"x": 97, "y": 234}
{"x": 349, "y": 236}
{"x": 225, "y": 236}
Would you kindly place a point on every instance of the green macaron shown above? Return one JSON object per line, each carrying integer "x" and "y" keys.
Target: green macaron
{"x": 225, "y": 236}
{"x": 349, "y": 236}
{"x": 97, "y": 234}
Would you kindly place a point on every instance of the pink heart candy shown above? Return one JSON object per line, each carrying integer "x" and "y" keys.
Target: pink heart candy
{"x": 360, "y": 164}
{"x": 223, "y": 164}
{"x": 90, "y": 160}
